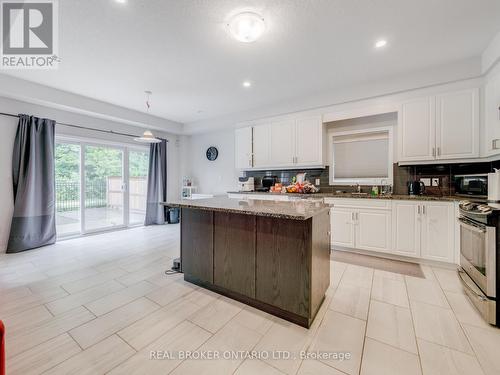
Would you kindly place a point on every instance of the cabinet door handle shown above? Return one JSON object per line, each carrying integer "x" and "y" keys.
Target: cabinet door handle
{"x": 433, "y": 151}
{"x": 439, "y": 151}
{"x": 418, "y": 209}
{"x": 423, "y": 209}
{"x": 352, "y": 216}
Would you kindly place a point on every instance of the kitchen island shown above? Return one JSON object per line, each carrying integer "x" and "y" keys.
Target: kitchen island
{"x": 274, "y": 256}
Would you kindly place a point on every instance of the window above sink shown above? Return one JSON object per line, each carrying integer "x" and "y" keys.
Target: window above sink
{"x": 363, "y": 157}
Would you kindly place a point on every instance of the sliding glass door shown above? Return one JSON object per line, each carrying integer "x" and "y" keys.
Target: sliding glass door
{"x": 68, "y": 189}
{"x": 138, "y": 185}
{"x": 99, "y": 186}
{"x": 104, "y": 188}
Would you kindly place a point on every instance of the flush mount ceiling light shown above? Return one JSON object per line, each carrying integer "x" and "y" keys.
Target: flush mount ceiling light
{"x": 246, "y": 27}
{"x": 380, "y": 43}
{"x": 247, "y": 84}
{"x": 147, "y": 136}
{"x": 121, "y": 1}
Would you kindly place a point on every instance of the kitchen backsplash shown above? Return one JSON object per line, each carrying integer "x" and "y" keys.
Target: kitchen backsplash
{"x": 402, "y": 174}
{"x": 285, "y": 176}
{"x": 444, "y": 172}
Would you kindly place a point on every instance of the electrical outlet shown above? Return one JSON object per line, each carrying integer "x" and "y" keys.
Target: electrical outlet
{"x": 435, "y": 182}
{"x": 426, "y": 181}
{"x": 317, "y": 182}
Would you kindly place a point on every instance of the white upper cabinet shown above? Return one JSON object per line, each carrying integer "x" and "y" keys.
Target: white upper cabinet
{"x": 442, "y": 127}
{"x": 457, "y": 125}
{"x": 243, "y": 147}
{"x": 492, "y": 116}
{"x": 291, "y": 143}
{"x": 417, "y": 130}
{"x": 282, "y": 143}
{"x": 309, "y": 141}
{"x": 261, "y": 146}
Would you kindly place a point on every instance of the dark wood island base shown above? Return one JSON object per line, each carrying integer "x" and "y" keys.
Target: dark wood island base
{"x": 275, "y": 264}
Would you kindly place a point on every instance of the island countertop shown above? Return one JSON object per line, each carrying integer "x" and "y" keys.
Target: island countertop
{"x": 295, "y": 210}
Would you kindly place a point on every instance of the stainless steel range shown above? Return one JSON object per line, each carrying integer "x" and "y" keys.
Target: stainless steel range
{"x": 479, "y": 237}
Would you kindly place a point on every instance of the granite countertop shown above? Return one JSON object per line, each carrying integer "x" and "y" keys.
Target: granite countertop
{"x": 296, "y": 210}
{"x": 445, "y": 198}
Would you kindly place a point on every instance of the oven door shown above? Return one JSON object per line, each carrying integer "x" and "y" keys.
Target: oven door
{"x": 478, "y": 254}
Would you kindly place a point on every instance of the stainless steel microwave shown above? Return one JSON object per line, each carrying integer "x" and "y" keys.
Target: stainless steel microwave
{"x": 471, "y": 185}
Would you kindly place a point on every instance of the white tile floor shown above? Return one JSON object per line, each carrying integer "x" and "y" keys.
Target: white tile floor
{"x": 101, "y": 304}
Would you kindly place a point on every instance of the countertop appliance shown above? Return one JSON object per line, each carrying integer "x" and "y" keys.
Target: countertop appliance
{"x": 479, "y": 259}
{"x": 416, "y": 188}
{"x": 471, "y": 185}
{"x": 246, "y": 184}
{"x": 267, "y": 182}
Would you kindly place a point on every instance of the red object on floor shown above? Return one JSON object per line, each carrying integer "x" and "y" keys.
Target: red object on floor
{"x": 2, "y": 348}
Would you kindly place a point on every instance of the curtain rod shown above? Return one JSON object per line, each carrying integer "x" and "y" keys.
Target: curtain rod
{"x": 82, "y": 127}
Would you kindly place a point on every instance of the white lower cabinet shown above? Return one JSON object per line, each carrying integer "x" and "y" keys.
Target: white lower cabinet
{"x": 360, "y": 228}
{"x": 424, "y": 230}
{"x": 437, "y": 235}
{"x": 406, "y": 228}
{"x": 417, "y": 229}
{"x": 373, "y": 230}
{"x": 342, "y": 227}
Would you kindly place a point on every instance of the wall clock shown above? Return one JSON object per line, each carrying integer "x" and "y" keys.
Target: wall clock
{"x": 212, "y": 153}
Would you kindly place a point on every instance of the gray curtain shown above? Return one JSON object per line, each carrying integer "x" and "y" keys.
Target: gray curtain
{"x": 157, "y": 184}
{"x": 33, "y": 223}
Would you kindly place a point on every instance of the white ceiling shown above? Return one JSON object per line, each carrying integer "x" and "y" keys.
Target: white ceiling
{"x": 180, "y": 50}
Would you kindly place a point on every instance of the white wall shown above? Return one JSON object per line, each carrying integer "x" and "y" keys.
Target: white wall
{"x": 8, "y": 126}
{"x": 211, "y": 177}
{"x": 352, "y": 95}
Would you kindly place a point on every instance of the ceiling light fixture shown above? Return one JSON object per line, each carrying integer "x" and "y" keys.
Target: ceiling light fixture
{"x": 247, "y": 84}
{"x": 121, "y": 1}
{"x": 147, "y": 136}
{"x": 380, "y": 43}
{"x": 246, "y": 27}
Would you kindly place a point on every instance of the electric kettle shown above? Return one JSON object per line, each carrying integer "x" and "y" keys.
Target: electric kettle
{"x": 416, "y": 188}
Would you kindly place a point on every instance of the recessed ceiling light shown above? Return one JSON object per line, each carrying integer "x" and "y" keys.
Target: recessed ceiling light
{"x": 380, "y": 43}
{"x": 121, "y": 1}
{"x": 246, "y": 27}
{"x": 247, "y": 84}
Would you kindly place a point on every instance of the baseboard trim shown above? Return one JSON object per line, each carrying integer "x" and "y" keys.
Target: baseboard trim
{"x": 425, "y": 262}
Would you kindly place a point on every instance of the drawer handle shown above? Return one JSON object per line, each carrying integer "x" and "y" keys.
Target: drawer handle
{"x": 461, "y": 273}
